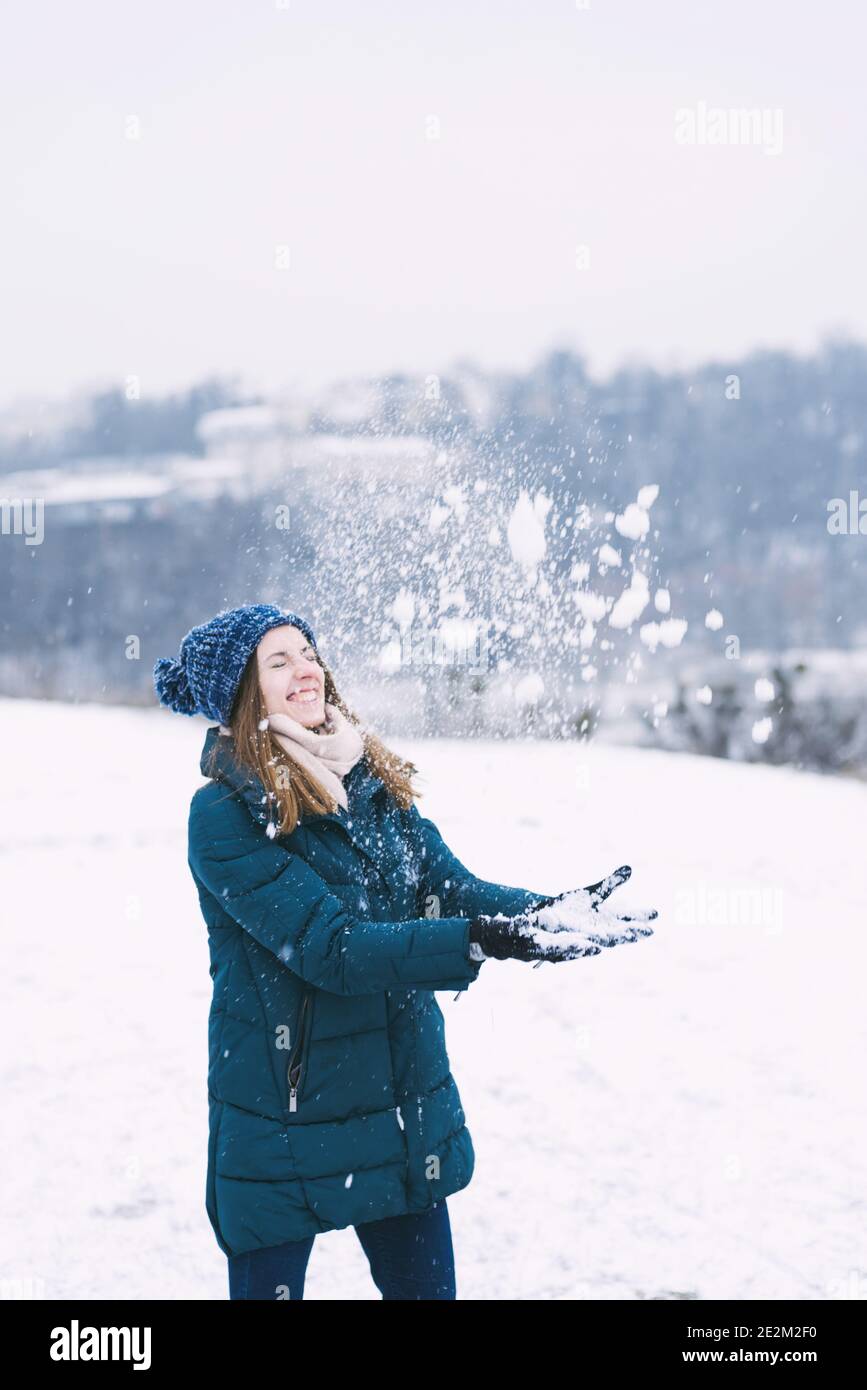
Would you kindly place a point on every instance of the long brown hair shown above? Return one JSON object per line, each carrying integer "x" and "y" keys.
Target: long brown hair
{"x": 292, "y": 789}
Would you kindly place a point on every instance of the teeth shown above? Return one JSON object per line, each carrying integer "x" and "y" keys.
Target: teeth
{"x": 305, "y": 697}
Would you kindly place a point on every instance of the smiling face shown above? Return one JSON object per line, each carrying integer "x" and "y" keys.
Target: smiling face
{"x": 290, "y": 677}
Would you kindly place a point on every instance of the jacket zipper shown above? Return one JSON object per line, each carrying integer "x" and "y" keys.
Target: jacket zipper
{"x": 296, "y": 1066}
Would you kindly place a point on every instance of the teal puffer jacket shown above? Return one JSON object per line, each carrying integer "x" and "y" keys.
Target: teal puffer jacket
{"x": 330, "y": 1097}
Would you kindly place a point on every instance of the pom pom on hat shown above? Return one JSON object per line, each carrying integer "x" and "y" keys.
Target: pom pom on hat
{"x": 172, "y": 686}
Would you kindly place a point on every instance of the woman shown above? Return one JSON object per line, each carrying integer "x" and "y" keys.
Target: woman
{"x": 334, "y": 911}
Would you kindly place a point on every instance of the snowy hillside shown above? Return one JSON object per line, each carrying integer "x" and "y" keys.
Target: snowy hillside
{"x": 679, "y": 1117}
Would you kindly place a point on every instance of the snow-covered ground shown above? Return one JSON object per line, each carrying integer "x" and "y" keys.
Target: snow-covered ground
{"x": 679, "y": 1117}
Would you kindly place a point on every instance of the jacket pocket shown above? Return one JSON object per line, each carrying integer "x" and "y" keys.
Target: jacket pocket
{"x": 296, "y": 1067}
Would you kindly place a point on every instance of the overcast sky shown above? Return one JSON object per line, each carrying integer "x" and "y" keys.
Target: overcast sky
{"x": 430, "y": 173}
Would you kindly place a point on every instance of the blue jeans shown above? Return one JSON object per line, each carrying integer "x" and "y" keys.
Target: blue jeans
{"x": 410, "y": 1257}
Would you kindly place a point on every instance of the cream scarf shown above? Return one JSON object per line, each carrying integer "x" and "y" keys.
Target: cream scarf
{"x": 327, "y": 755}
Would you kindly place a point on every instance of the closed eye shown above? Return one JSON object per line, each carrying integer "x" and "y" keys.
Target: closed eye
{"x": 278, "y": 661}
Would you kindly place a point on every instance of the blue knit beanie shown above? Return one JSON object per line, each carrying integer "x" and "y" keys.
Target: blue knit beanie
{"x": 205, "y": 677}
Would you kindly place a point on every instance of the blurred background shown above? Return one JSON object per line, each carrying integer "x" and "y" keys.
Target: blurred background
{"x": 521, "y": 348}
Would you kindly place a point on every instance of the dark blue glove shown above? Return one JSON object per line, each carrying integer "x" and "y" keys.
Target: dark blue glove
{"x": 526, "y": 937}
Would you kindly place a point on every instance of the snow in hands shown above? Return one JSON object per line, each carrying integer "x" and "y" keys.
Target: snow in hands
{"x": 573, "y": 924}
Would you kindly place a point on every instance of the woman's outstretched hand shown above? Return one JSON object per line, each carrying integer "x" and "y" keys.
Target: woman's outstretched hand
{"x": 596, "y": 893}
{"x": 572, "y": 924}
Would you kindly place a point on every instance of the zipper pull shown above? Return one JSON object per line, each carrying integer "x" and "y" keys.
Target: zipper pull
{"x": 293, "y": 1097}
